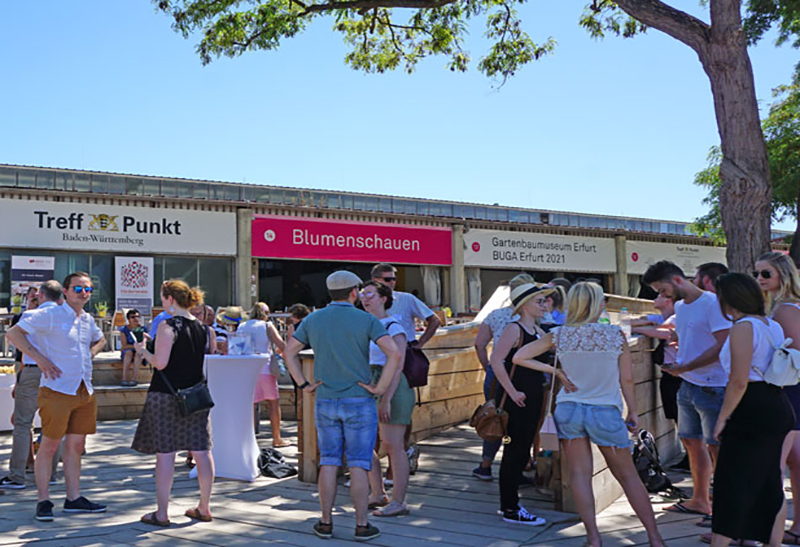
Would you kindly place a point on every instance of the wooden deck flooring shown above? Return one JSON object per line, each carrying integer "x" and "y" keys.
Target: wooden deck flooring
{"x": 449, "y": 506}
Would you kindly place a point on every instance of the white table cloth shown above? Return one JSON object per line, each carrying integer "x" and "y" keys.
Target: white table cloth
{"x": 232, "y": 382}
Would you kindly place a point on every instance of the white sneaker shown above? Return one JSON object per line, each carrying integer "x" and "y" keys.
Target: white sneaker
{"x": 523, "y": 517}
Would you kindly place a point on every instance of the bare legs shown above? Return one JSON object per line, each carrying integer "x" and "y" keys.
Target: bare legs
{"x": 702, "y": 467}
{"x": 391, "y": 436}
{"x": 579, "y": 459}
{"x": 792, "y": 459}
{"x": 43, "y": 465}
{"x": 275, "y": 422}
{"x": 359, "y": 491}
{"x": 165, "y": 471}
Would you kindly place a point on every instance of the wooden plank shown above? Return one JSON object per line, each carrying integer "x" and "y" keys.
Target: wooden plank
{"x": 459, "y": 336}
{"x": 449, "y": 411}
{"x": 309, "y": 459}
{"x": 449, "y": 361}
{"x": 451, "y": 386}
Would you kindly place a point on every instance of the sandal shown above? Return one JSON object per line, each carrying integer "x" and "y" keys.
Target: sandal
{"x": 281, "y": 443}
{"x": 152, "y": 520}
{"x": 380, "y": 503}
{"x": 681, "y": 507}
{"x": 195, "y": 514}
{"x": 394, "y": 509}
{"x": 706, "y": 538}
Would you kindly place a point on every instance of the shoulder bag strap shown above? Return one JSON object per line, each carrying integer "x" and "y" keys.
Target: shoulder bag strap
{"x": 552, "y": 381}
{"x": 166, "y": 381}
{"x": 511, "y": 374}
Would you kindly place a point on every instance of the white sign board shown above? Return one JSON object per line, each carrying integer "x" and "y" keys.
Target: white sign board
{"x": 532, "y": 251}
{"x": 134, "y": 283}
{"x": 641, "y": 254}
{"x": 92, "y": 227}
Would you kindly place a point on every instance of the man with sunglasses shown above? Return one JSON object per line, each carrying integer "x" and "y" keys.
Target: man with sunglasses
{"x": 68, "y": 340}
{"x": 406, "y": 307}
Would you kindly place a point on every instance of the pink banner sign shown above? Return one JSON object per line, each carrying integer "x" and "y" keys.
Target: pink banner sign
{"x": 322, "y": 239}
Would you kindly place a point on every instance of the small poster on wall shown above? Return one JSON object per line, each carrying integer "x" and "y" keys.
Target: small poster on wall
{"x": 134, "y": 283}
{"x": 27, "y": 274}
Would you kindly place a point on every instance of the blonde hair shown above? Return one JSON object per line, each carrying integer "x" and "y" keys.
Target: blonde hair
{"x": 789, "y": 290}
{"x": 260, "y": 311}
{"x": 521, "y": 279}
{"x": 584, "y": 303}
{"x": 184, "y": 296}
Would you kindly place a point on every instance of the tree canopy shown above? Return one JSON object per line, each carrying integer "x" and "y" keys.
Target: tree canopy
{"x": 390, "y": 34}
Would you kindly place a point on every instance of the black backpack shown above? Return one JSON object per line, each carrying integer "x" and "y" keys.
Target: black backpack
{"x": 645, "y": 458}
{"x": 272, "y": 464}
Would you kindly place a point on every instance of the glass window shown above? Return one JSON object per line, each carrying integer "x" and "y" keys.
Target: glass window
{"x": 446, "y": 210}
{"x": 185, "y": 189}
{"x": 275, "y": 195}
{"x": 385, "y": 205}
{"x": 359, "y": 203}
{"x": 102, "y": 272}
{"x": 116, "y": 185}
{"x": 469, "y": 211}
{"x": 534, "y": 217}
{"x": 134, "y": 186}
{"x": 66, "y": 263}
{"x": 100, "y": 184}
{"x": 347, "y": 202}
{"x": 151, "y": 187}
{"x": 248, "y": 193}
{"x": 216, "y": 279}
{"x": 83, "y": 182}
{"x": 200, "y": 190}
{"x": 45, "y": 180}
{"x": 233, "y": 193}
{"x": 261, "y": 195}
{"x": 158, "y": 279}
{"x": 423, "y": 208}
{"x": 481, "y": 213}
{"x": 8, "y": 176}
{"x": 181, "y": 268}
{"x": 169, "y": 188}
{"x": 26, "y": 179}
{"x": 64, "y": 181}
{"x": 586, "y": 222}
{"x": 334, "y": 201}
{"x": 5, "y": 279}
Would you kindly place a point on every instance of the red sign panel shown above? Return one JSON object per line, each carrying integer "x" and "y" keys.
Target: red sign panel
{"x": 322, "y": 239}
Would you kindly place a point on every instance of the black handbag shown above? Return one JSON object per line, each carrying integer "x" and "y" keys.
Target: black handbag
{"x": 191, "y": 399}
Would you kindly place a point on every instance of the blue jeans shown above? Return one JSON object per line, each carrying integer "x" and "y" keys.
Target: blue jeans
{"x": 698, "y": 410}
{"x": 603, "y": 424}
{"x": 346, "y": 427}
{"x": 490, "y": 448}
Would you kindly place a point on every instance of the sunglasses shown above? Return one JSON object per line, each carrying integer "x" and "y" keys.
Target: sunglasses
{"x": 389, "y": 279}
{"x": 365, "y": 294}
{"x": 79, "y": 289}
{"x": 765, "y": 274}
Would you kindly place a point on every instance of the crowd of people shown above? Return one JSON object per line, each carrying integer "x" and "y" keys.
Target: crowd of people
{"x": 715, "y": 338}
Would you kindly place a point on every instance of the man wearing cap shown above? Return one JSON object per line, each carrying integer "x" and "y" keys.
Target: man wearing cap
{"x": 345, "y": 410}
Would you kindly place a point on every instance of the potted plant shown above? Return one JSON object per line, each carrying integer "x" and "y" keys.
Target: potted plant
{"x": 101, "y": 308}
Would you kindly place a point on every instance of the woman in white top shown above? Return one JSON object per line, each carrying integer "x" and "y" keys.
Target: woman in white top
{"x": 597, "y": 360}
{"x": 779, "y": 281}
{"x": 753, "y": 422}
{"x": 394, "y": 410}
{"x": 266, "y": 339}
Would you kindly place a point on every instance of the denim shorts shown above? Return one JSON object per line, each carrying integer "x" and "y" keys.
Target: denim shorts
{"x": 346, "y": 427}
{"x": 603, "y": 424}
{"x": 698, "y": 410}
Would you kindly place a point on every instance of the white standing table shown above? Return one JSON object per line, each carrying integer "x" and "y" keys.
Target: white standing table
{"x": 232, "y": 383}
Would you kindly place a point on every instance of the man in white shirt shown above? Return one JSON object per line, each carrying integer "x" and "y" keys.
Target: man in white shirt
{"x": 25, "y": 394}
{"x": 406, "y": 307}
{"x": 68, "y": 338}
{"x": 702, "y": 330}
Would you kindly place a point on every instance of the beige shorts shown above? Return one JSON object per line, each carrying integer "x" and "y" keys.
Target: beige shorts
{"x": 64, "y": 414}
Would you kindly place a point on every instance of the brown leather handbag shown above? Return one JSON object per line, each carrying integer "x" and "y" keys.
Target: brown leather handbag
{"x": 489, "y": 420}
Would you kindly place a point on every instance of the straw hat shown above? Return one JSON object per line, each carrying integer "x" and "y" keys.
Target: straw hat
{"x": 525, "y": 292}
{"x": 232, "y": 315}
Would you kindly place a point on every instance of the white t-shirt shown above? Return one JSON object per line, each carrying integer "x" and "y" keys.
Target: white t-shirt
{"x": 257, "y": 329}
{"x": 696, "y": 324}
{"x": 406, "y": 307}
{"x": 393, "y": 327}
{"x": 498, "y": 320}
{"x": 765, "y": 338}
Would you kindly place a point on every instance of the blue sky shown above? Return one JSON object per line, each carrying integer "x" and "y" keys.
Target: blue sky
{"x": 614, "y": 127}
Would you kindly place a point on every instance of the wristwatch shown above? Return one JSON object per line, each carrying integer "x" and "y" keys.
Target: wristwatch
{"x": 304, "y": 385}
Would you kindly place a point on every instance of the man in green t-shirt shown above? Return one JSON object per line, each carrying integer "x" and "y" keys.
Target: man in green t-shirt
{"x": 345, "y": 411}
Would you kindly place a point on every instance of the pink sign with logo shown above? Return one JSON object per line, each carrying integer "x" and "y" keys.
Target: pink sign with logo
{"x": 322, "y": 239}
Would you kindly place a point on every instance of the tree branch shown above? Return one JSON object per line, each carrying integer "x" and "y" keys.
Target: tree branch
{"x": 370, "y": 4}
{"x": 678, "y": 24}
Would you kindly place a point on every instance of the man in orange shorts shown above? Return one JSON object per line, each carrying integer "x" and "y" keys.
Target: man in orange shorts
{"x": 68, "y": 338}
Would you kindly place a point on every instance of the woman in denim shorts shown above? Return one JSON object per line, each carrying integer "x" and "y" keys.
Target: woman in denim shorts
{"x": 597, "y": 360}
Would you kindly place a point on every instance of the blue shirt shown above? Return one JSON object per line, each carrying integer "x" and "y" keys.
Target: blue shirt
{"x": 340, "y": 335}
{"x": 156, "y": 320}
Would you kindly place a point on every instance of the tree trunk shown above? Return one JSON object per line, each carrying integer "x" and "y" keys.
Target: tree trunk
{"x": 746, "y": 191}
